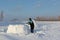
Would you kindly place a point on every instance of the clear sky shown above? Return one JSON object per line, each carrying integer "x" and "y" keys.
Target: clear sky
{"x": 29, "y": 8}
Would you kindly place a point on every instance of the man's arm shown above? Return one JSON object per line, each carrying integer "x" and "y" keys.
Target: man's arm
{"x": 28, "y": 23}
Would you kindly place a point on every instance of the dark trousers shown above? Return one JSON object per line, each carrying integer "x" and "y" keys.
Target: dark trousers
{"x": 32, "y": 29}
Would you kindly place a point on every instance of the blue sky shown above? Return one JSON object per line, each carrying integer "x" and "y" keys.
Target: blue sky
{"x": 29, "y": 8}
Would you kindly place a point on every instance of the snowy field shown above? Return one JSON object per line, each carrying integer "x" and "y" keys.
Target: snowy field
{"x": 45, "y": 30}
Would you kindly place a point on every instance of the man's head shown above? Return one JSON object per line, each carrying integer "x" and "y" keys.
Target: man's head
{"x": 30, "y": 19}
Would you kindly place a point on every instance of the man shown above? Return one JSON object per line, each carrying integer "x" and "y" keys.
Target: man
{"x": 31, "y": 25}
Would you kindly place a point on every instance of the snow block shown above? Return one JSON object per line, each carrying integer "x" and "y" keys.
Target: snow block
{"x": 19, "y": 29}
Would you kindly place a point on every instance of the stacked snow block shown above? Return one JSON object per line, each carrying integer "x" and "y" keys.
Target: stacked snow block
{"x": 18, "y": 29}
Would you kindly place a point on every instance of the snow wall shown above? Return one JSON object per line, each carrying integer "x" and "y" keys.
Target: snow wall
{"x": 19, "y": 29}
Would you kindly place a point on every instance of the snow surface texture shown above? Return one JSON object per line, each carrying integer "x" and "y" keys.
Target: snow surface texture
{"x": 43, "y": 31}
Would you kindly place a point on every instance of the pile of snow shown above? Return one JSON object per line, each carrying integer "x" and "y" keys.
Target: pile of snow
{"x": 19, "y": 29}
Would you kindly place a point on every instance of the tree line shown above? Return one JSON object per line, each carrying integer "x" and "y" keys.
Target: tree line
{"x": 47, "y": 18}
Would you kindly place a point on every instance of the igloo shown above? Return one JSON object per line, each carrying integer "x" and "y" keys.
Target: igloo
{"x": 19, "y": 29}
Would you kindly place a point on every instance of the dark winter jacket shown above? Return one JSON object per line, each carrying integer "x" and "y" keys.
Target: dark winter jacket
{"x": 31, "y": 24}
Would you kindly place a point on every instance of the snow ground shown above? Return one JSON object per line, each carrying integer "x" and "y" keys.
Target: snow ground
{"x": 43, "y": 31}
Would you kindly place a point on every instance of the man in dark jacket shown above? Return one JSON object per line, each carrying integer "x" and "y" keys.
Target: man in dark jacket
{"x": 31, "y": 25}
